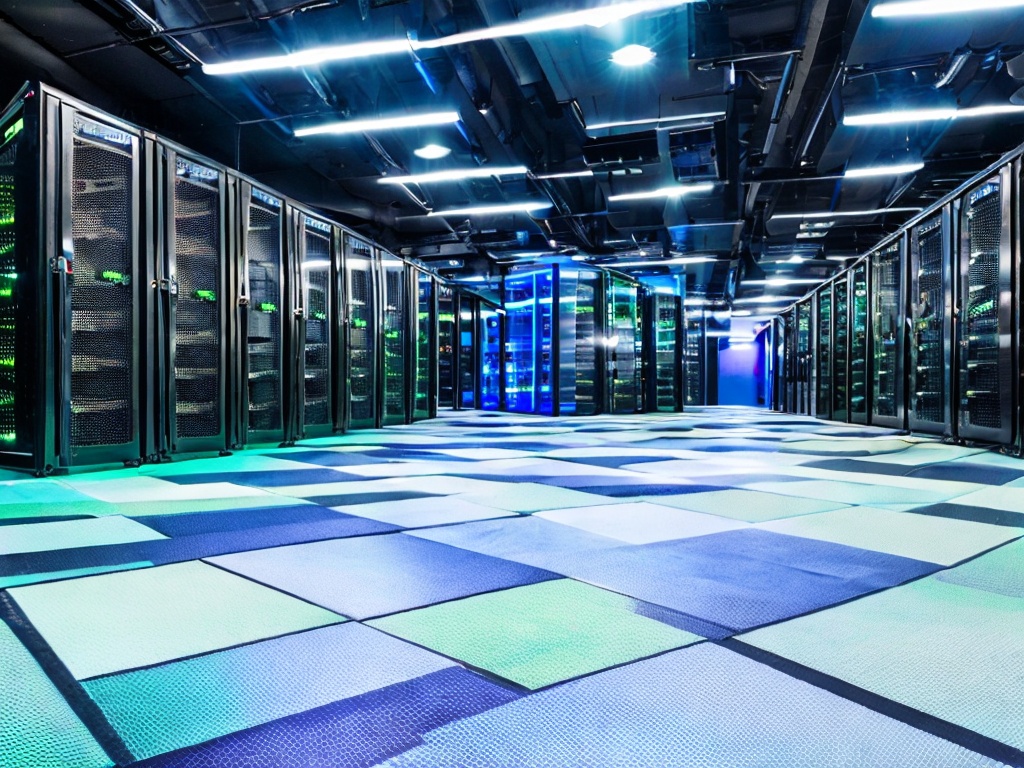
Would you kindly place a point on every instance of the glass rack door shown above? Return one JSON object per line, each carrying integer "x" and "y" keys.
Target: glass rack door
{"x": 396, "y": 338}
{"x": 423, "y": 406}
{"x": 887, "y": 326}
{"x": 823, "y": 407}
{"x": 490, "y": 357}
{"x": 859, "y": 345}
{"x": 841, "y": 349}
{"x": 520, "y": 343}
{"x": 317, "y": 364}
{"x": 362, "y": 333}
{"x": 693, "y": 358}
{"x": 10, "y": 141}
{"x": 666, "y": 352}
{"x": 624, "y": 376}
{"x": 803, "y": 358}
{"x": 929, "y": 339}
{"x": 468, "y": 368}
{"x": 446, "y": 368}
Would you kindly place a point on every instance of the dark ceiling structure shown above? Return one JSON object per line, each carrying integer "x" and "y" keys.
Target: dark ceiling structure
{"x": 756, "y": 146}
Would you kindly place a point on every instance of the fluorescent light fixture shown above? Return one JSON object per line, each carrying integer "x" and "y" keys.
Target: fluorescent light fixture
{"x": 796, "y": 259}
{"x": 381, "y": 124}
{"x": 578, "y": 257}
{"x": 432, "y": 152}
{"x": 940, "y": 7}
{"x": 784, "y": 281}
{"x": 677, "y": 191}
{"x": 591, "y": 17}
{"x": 882, "y": 170}
{"x": 901, "y": 116}
{"x": 497, "y": 209}
{"x": 656, "y": 120}
{"x": 567, "y": 175}
{"x": 813, "y": 235}
{"x": 664, "y": 262}
{"x": 830, "y": 214}
{"x": 742, "y": 313}
{"x": 456, "y": 175}
{"x": 741, "y": 341}
{"x": 632, "y": 55}
{"x": 781, "y": 300}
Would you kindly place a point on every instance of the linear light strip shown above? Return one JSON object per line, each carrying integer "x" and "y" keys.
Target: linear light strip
{"x": 677, "y": 191}
{"x": 380, "y": 124}
{"x": 902, "y": 116}
{"x": 882, "y": 170}
{"x": 454, "y": 175}
{"x": 656, "y": 120}
{"x": 829, "y": 214}
{"x": 487, "y": 209}
{"x": 940, "y": 7}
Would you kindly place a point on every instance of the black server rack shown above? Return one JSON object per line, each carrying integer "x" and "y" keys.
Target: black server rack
{"x": 623, "y": 332}
{"x": 71, "y": 285}
{"x": 313, "y": 246}
{"x": 804, "y": 384}
{"x": 446, "y": 346}
{"x": 530, "y": 343}
{"x": 693, "y": 357}
{"x": 361, "y": 318}
{"x": 263, "y": 381}
{"x": 777, "y": 353}
{"x": 188, "y": 231}
{"x": 887, "y": 331}
{"x": 858, "y": 331}
{"x": 580, "y": 391}
{"x": 469, "y": 351}
{"x": 396, "y": 339}
{"x": 424, "y": 368}
{"x": 665, "y": 344}
{"x": 930, "y": 299}
{"x": 490, "y": 356}
{"x": 987, "y": 391}
{"x": 825, "y": 359}
{"x": 841, "y": 348}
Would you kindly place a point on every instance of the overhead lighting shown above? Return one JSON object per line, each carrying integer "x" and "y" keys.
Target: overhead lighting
{"x": 489, "y": 209}
{"x": 940, "y": 7}
{"x": 632, "y": 55}
{"x": 677, "y": 191}
{"x": 796, "y": 259}
{"x": 381, "y": 124}
{"x": 882, "y": 170}
{"x": 656, "y": 120}
{"x": 455, "y": 175}
{"x": 783, "y": 301}
{"x": 783, "y": 281}
{"x": 664, "y": 262}
{"x": 432, "y": 152}
{"x": 597, "y": 17}
{"x": 567, "y": 175}
{"x": 829, "y": 214}
{"x": 901, "y": 116}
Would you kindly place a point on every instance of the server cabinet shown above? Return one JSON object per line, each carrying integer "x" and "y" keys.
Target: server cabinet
{"x": 789, "y": 361}
{"x": 396, "y": 342}
{"x": 71, "y": 285}
{"x": 579, "y": 360}
{"x": 188, "y": 219}
{"x": 624, "y": 341}
{"x": 468, "y": 357}
{"x": 361, "y": 338}
{"x": 490, "y": 356}
{"x": 841, "y": 348}
{"x": 859, "y": 344}
{"x": 262, "y": 404}
{"x": 314, "y": 305}
{"x": 777, "y": 354}
{"x": 529, "y": 342}
{"x": 694, "y": 344}
{"x": 887, "y": 325}
{"x": 446, "y": 342}
{"x": 824, "y": 360}
{"x": 424, "y": 367}
{"x": 665, "y": 345}
{"x": 987, "y": 393}
{"x": 804, "y": 357}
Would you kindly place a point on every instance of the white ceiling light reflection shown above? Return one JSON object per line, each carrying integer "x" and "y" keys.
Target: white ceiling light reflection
{"x": 632, "y": 56}
{"x": 432, "y": 152}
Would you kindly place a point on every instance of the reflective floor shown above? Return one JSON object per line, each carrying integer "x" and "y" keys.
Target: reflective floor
{"x": 724, "y": 587}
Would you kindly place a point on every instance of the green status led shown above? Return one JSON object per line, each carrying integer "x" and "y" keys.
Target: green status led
{"x": 114, "y": 277}
{"x": 267, "y": 306}
{"x": 205, "y": 295}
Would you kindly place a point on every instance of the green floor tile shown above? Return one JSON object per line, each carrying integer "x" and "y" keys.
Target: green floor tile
{"x": 119, "y": 621}
{"x": 535, "y": 497}
{"x": 944, "y": 649}
{"x": 67, "y": 534}
{"x": 140, "y": 489}
{"x": 1008, "y": 498}
{"x": 238, "y": 462}
{"x": 751, "y": 506}
{"x": 88, "y": 507}
{"x": 72, "y": 573}
{"x": 38, "y": 491}
{"x": 37, "y": 727}
{"x": 922, "y": 537}
{"x": 1000, "y": 571}
{"x": 539, "y": 634}
{"x": 853, "y": 492}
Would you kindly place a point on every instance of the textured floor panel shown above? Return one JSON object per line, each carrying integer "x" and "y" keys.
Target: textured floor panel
{"x": 39, "y": 491}
{"x": 256, "y": 499}
{"x": 640, "y": 522}
{"x": 118, "y": 621}
{"x": 1000, "y": 571}
{"x": 744, "y": 578}
{"x": 899, "y": 533}
{"x": 237, "y": 462}
{"x": 73, "y": 533}
{"x": 944, "y": 649}
{"x": 38, "y": 729}
{"x": 378, "y": 575}
{"x": 746, "y": 505}
{"x": 853, "y": 492}
{"x": 294, "y": 476}
{"x": 28, "y": 510}
{"x": 539, "y": 634}
{"x": 969, "y": 472}
{"x": 177, "y": 705}
{"x": 535, "y": 497}
{"x": 418, "y": 513}
{"x": 221, "y": 521}
{"x": 333, "y": 458}
{"x": 135, "y": 489}
{"x": 69, "y": 573}
{"x": 972, "y": 514}
{"x": 1006, "y": 498}
{"x": 701, "y": 707}
{"x": 361, "y": 731}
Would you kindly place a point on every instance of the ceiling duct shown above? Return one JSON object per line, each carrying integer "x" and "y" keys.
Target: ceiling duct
{"x": 629, "y": 149}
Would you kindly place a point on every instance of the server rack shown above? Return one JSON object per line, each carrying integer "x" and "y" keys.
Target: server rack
{"x": 71, "y": 285}
{"x": 986, "y": 378}
{"x": 490, "y": 356}
{"x": 887, "y": 330}
{"x": 804, "y": 384}
{"x": 396, "y": 341}
{"x": 665, "y": 346}
{"x": 188, "y": 372}
{"x": 314, "y": 304}
{"x": 778, "y": 354}
{"x": 841, "y": 348}
{"x": 447, "y": 368}
{"x": 790, "y": 360}
{"x": 825, "y": 344}
{"x": 931, "y": 315}
{"x": 424, "y": 390}
{"x": 579, "y": 366}
{"x": 361, "y": 374}
{"x": 529, "y": 345}
{"x": 469, "y": 351}
{"x": 694, "y": 344}
{"x": 624, "y": 388}
{"x": 859, "y": 393}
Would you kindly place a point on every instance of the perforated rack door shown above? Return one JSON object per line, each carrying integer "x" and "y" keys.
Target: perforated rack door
{"x": 10, "y": 140}
{"x": 395, "y": 347}
{"x": 104, "y": 225}
{"x": 693, "y": 360}
{"x": 888, "y": 325}
{"x": 196, "y": 266}
{"x": 586, "y": 372}
{"x": 490, "y": 357}
{"x": 426, "y": 317}
{"x": 362, "y": 333}
{"x": 841, "y": 349}
{"x": 624, "y": 341}
{"x": 859, "y": 345}
{"x": 520, "y": 347}
{"x": 824, "y": 378}
{"x": 468, "y": 351}
{"x": 446, "y": 347}
{"x": 319, "y": 317}
{"x": 929, "y": 325}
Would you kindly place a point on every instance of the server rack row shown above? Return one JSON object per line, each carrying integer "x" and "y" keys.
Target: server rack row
{"x": 923, "y": 332}
{"x": 153, "y": 302}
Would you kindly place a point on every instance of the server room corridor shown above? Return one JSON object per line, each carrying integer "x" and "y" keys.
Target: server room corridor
{"x": 722, "y": 587}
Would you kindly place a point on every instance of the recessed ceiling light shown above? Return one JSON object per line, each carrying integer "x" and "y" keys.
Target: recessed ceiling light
{"x": 882, "y": 170}
{"x": 496, "y": 209}
{"x": 632, "y": 55}
{"x": 432, "y": 152}
{"x": 940, "y": 7}
{"x": 567, "y": 175}
{"x": 455, "y": 175}
{"x": 677, "y": 191}
{"x": 381, "y": 124}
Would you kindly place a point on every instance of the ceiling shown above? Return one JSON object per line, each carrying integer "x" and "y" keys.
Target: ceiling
{"x": 740, "y": 115}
